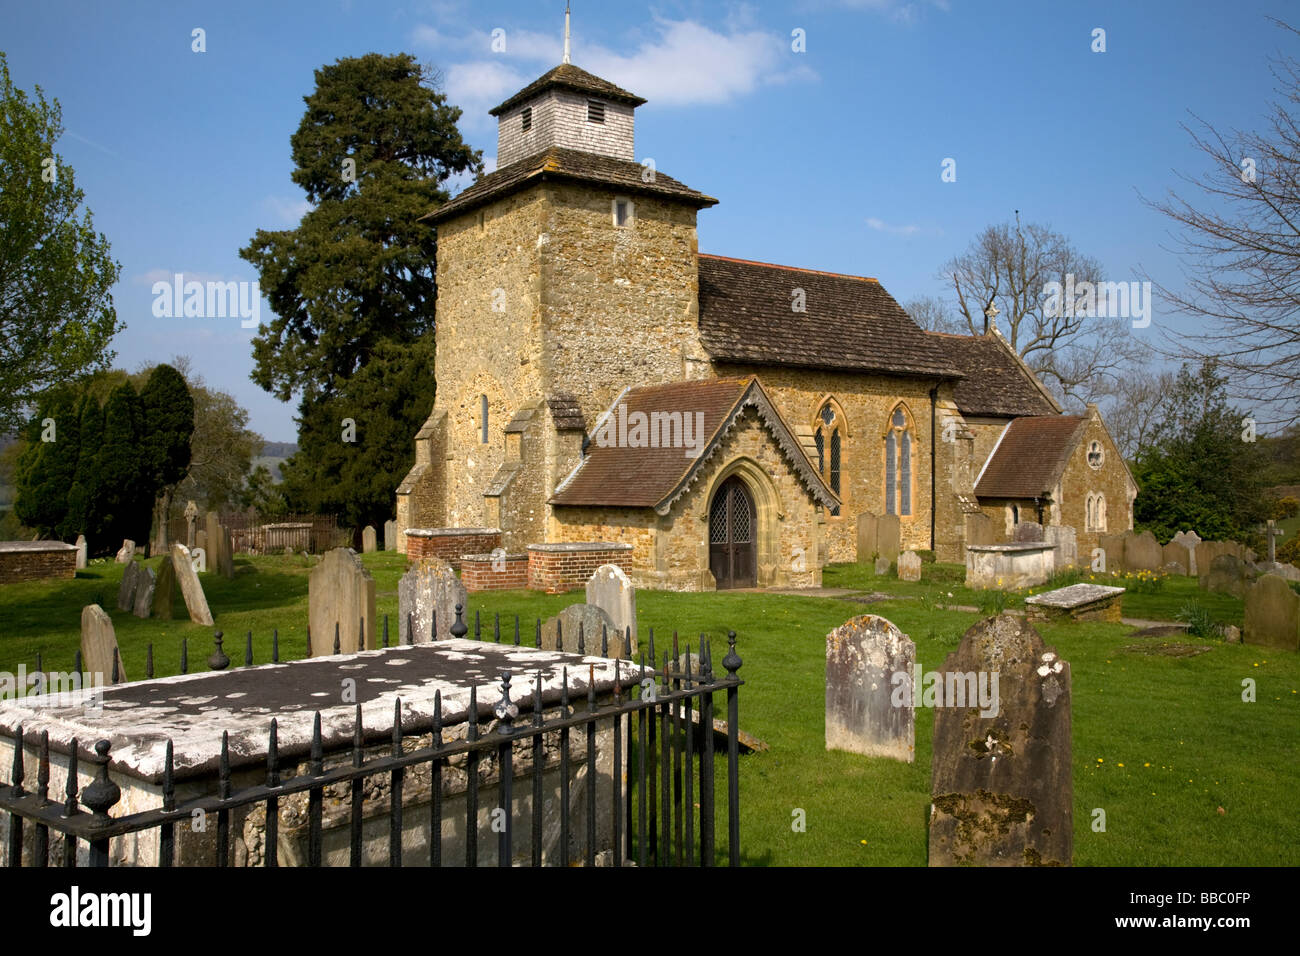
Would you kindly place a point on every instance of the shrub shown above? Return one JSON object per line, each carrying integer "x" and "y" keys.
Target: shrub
{"x": 1286, "y": 508}
{"x": 1198, "y": 620}
{"x": 993, "y": 602}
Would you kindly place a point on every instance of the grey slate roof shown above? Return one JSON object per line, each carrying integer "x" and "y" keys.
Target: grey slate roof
{"x": 570, "y": 77}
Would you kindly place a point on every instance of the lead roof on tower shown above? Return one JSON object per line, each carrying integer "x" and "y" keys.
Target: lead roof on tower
{"x": 570, "y": 77}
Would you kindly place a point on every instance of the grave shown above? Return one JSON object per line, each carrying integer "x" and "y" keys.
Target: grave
{"x": 909, "y": 566}
{"x": 341, "y": 599}
{"x": 1142, "y": 552}
{"x": 1229, "y": 575}
{"x": 36, "y": 560}
{"x": 1112, "y": 549}
{"x": 126, "y": 590}
{"x": 878, "y": 537}
{"x": 1272, "y": 614}
{"x": 882, "y": 567}
{"x": 428, "y": 590}
{"x": 368, "y": 543}
{"x": 979, "y": 529}
{"x": 191, "y": 519}
{"x": 98, "y": 642}
{"x": 589, "y": 622}
{"x": 126, "y": 553}
{"x": 220, "y": 556}
{"x": 862, "y": 657}
{"x": 81, "y": 551}
{"x": 1009, "y": 567}
{"x": 1078, "y": 602}
{"x": 1001, "y": 786}
{"x": 164, "y": 589}
{"x": 390, "y": 535}
{"x": 144, "y": 591}
{"x": 1065, "y": 543}
{"x": 1027, "y": 531}
{"x": 1178, "y": 555}
{"x": 196, "y": 602}
{"x": 610, "y": 589}
{"x": 1189, "y": 540}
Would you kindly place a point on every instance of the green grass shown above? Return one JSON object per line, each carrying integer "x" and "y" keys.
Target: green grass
{"x": 1187, "y": 743}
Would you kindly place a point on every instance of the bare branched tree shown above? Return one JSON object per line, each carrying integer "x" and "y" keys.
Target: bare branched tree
{"x": 1078, "y": 353}
{"x": 934, "y": 315}
{"x": 1240, "y": 245}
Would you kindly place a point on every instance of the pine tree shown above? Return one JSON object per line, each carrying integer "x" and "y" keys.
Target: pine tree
{"x": 123, "y": 506}
{"x": 168, "y": 410}
{"x": 83, "y": 495}
{"x": 48, "y": 464}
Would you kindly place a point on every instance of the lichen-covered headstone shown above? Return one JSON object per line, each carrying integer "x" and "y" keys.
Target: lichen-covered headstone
{"x": 565, "y": 626}
{"x": 610, "y": 589}
{"x": 164, "y": 589}
{"x": 390, "y": 535}
{"x": 81, "y": 551}
{"x": 126, "y": 553}
{"x": 340, "y": 591}
{"x": 196, "y": 602}
{"x": 1177, "y": 554}
{"x": 144, "y": 591}
{"x": 909, "y": 566}
{"x": 1142, "y": 552}
{"x": 126, "y": 590}
{"x": 1229, "y": 575}
{"x": 1027, "y": 531}
{"x": 427, "y": 590}
{"x": 1001, "y": 786}
{"x": 1272, "y": 614}
{"x": 368, "y": 543}
{"x": 98, "y": 642}
{"x": 869, "y": 710}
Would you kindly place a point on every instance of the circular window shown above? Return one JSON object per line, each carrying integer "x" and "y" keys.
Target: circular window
{"x": 1095, "y": 455}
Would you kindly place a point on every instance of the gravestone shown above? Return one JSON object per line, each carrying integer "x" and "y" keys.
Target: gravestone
{"x": 1229, "y": 575}
{"x": 1271, "y": 533}
{"x": 1142, "y": 552}
{"x": 1027, "y": 531}
{"x": 81, "y": 551}
{"x": 868, "y": 537}
{"x": 126, "y": 590}
{"x": 126, "y": 553}
{"x": 368, "y": 543}
{"x": 1112, "y": 549}
{"x": 610, "y": 589}
{"x": 1288, "y": 571}
{"x": 144, "y": 592}
{"x": 191, "y": 519}
{"x": 98, "y": 641}
{"x": 1002, "y": 792}
{"x": 1272, "y": 614}
{"x": 340, "y": 591}
{"x": 564, "y": 626}
{"x": 909, "y": 566}
{"x": 390, "y": 535}
{"x": 1189, "y": 540}
{"x": 868, "y": 711}
{"x": 887, "y": 537}
{"x": 429, "y": 589}
{"x": 1065, "y": 544}
{"x": 201, "y": 541}
{"x": 164, "y": 589}
{"x": 196, "y": 603}
{"x": 882, "y": 566}
{"x": 979, "y": 529}
{"x": 220, "y": 555}
{"x": 1177, "y": 554}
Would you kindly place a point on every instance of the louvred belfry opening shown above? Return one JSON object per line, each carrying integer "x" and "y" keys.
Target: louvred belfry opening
{"x": 733, "y": 548}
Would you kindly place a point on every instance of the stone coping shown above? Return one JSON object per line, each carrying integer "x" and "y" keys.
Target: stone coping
{"x": 1075, "y": 596}
{"x": 447, "y": 532}
{"x": 494, "y": 557}
{"x": 1013, "y": 547}
{"x": 20, "y": 547}
{"x": 194, "y": 709}
{"x": 581, "y": 546}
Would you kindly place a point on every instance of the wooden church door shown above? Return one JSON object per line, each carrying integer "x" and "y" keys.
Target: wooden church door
{"x": 733, "y": 545}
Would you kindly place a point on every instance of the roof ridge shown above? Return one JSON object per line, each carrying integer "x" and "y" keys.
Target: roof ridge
{"x": 777, "y": 265}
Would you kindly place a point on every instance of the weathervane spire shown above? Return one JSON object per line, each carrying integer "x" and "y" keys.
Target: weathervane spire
{"x": 566, "y": 31}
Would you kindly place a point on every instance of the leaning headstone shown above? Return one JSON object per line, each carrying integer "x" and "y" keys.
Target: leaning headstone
{"x": 1002, "y": 791}
{"x": 126, "y": 590}
{"x": 98, "y": 642}
{"x": 610, "y": 589}
{"x": 126, "y": 553}
{"x": 81, "y": 551}
{"x": 1065, "y": 543}
{"x": 869, "y": 708}
{"x": 1142, "y": 552}
{"x": 191, "y": 518}
{"x": 1177, "y": 554}
{"x": 1189, "y": 540}
{"x": 888, "y": 537}
{"x": 1272, "y": 614}
{"x": 164, "y": 589}
{"x": 144, "y": 590}
{"x": 1112, "y": 550}
{"x": 979, "y": 529}
{"x": 1229, "y": 575}
{"x": 1027, "y": 531}
{"x": 390, "y": 535}
{"x": 429, "y": 590}
{"x": 340, "y": 591}
{"x": 560, "y": 633}
{"x": 868, "y": 537}
{"x": 368, "y": 542}
{"x": 909, "y": 566}
{"x": 191, "y": 590}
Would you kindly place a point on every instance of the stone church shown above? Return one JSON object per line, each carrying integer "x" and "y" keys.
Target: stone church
{"x": 726, "y": 422}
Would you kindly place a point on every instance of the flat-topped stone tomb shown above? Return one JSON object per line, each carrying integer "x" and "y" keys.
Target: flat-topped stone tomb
{"x": 1078, "y": 602}
{"x": 1011, "y": 566}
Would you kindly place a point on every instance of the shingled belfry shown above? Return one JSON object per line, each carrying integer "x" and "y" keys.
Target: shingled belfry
{"x": 599, "y": 379}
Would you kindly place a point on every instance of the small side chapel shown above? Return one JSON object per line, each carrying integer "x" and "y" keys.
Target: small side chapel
{"x": 601, "y": 380}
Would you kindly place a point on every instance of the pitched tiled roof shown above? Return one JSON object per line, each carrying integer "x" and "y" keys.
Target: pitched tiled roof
{"x": 614, "y": 474}
{"x": 995, "y": 382}
{"x": 558, "y": 163}
{"x": 850, "y": 323}
{"x": 1030, "y": 456}
{"x": 570, "y": 77}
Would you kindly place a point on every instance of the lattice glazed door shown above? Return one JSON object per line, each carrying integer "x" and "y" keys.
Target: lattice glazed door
{"x": 733, "y": 549}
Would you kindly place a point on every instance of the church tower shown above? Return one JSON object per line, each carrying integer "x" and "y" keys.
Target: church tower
{"x": 566, "y": 276}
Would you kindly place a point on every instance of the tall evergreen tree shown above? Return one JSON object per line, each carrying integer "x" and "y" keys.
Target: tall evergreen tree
{"x": 48, "y": 464}
{"x": 83, "y": 494}
{"x": 168, "y": 409}
{"x": 124, "y": 506}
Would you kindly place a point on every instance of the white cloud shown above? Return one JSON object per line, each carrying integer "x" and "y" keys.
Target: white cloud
{"x": 900, "y": 11}
{"x": 288, "y": 211}
{"x": 879, "y": 225}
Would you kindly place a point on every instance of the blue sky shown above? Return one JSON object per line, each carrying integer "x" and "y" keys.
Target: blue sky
{"x": 828, "y": 159}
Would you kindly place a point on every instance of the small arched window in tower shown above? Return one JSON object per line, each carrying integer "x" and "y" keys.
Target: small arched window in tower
{"x": 483, "y": 419}
{"x": 898, "y": 464}
{"x": 595, "y": 111}
{"x": 1096, "y": 456}
{"x": 828, "y": 435}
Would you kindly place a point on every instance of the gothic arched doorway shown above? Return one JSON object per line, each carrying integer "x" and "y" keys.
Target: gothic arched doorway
{"x": 733, "y": 544}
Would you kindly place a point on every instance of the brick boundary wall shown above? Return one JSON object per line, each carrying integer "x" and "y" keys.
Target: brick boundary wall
{"x": 36, "y": 560}
{"x": 450, "y": 543}
{"x": 478, "y": 574}
{"x": 555, "y": 568}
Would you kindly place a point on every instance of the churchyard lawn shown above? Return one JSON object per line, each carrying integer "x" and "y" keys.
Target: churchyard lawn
{"x": 1186, "y": 772}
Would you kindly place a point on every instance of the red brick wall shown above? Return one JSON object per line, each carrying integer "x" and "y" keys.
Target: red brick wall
{"x": 450, "y": 547}
{"x": 558, "y": 571}
{"x": 477, "y": 573}
{"x": 34, "y": 565}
